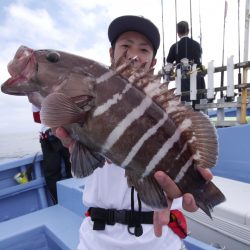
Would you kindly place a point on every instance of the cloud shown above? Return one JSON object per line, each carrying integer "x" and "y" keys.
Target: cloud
{"x": 80, "y": 27}
{"x": 26, "y": 26}
{"x": 37, "y": 26}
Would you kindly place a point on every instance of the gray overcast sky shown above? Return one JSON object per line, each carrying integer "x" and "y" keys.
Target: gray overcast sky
{"x": 80, "y": 27}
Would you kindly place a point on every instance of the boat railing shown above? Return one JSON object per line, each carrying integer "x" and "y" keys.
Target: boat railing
{"x": 22, "y": 183}
{"x": 234, "y": 98}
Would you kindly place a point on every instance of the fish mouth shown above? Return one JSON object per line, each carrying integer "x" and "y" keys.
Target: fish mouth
{"x": 9, "y": 87}
{"x": 21, "y": 69}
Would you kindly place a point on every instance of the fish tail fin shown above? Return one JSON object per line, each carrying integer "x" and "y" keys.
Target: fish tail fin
{"x": 84, "y": 161}
{"x": 149, "y": 191}
{"x": 212, "y": 198}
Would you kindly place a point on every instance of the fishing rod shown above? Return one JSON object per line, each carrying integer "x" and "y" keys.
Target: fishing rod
{"x": 222, "y": 72}
{"x": 191, "y": 28}
{"x": 239, "y": 73}
{"x": 200, "y": 28}
{"x": 163, "y": 37}
{"x": 176, "y": 27}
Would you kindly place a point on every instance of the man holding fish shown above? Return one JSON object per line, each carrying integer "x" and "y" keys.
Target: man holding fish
{"x": 106, "y": 190}
{"x": 124, "y": 116}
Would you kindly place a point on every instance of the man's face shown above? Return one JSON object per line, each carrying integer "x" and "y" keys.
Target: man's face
{"x": 134, "y": 44}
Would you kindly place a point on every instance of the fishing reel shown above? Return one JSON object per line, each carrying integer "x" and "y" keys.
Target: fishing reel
{"x": 186, "y": 68}
{"x": 168, "y": 72}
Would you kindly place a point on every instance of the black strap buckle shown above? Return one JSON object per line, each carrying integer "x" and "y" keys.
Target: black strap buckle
{"x": 110, "y": 217}
{"x": 133, "y": 219}
{"x": 120, "y": 216}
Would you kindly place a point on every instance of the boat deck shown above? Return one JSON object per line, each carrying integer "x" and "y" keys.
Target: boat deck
{"x": 28, "y": 221}
{"x": 56, "y": 227}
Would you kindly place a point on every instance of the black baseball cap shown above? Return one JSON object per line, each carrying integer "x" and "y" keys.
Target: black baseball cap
{"x": 134, "y": 23}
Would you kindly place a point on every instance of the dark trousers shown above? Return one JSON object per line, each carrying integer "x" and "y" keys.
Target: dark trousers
{"x": 53, "y": 154}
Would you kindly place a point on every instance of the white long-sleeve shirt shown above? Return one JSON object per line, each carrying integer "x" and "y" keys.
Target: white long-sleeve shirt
{"x": 36, "y": 117}
{"x": 107, "y": 188}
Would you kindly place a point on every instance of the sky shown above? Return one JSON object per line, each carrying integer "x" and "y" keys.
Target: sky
{"x": 80, "y": 27}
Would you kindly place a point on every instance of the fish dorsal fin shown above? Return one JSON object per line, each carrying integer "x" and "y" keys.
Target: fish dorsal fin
{"x": 151, "y": 86}
{"x": 200, "y": 137}
{"x": 205, "y": 140}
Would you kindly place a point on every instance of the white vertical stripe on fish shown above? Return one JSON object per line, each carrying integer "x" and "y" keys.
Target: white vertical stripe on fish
{"x": 152, "y": 88}
{"x": 183, "y": 170}
{"x": 167, "y": 146}
{"x": 183, "y": 150}
{"x": 123, "y": 125}
{"x": 173, "y": 107}
{"x": 185, "y": 147}
{"x": 105, "y": 76}
{"x": 110, "y": 73}
{"x": 141, "y": 141}
{"x": 113, "y": 100}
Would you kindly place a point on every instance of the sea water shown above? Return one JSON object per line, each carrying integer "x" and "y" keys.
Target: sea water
{"x": 18, "y": 145}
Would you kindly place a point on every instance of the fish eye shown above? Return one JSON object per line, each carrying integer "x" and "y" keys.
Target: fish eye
{"x": 53, "y": 56}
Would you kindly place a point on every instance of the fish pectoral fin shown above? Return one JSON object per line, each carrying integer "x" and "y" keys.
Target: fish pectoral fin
{"x": 149, "y": 190}
{"x": 84, "y": 102}
{"x": 84, "y": 161}
{"x": 59, "y": 109}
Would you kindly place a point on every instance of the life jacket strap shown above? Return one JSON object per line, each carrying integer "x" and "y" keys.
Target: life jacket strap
{"x": 102, "y": 216}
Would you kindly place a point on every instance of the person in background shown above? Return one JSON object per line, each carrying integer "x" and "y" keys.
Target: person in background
{"x": 190, "y": 49}
{"x": 117, "y": 218}
{"x": 53, "y": 154}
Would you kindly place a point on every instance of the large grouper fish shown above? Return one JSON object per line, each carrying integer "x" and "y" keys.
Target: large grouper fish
{"x": 122, "y": 114}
